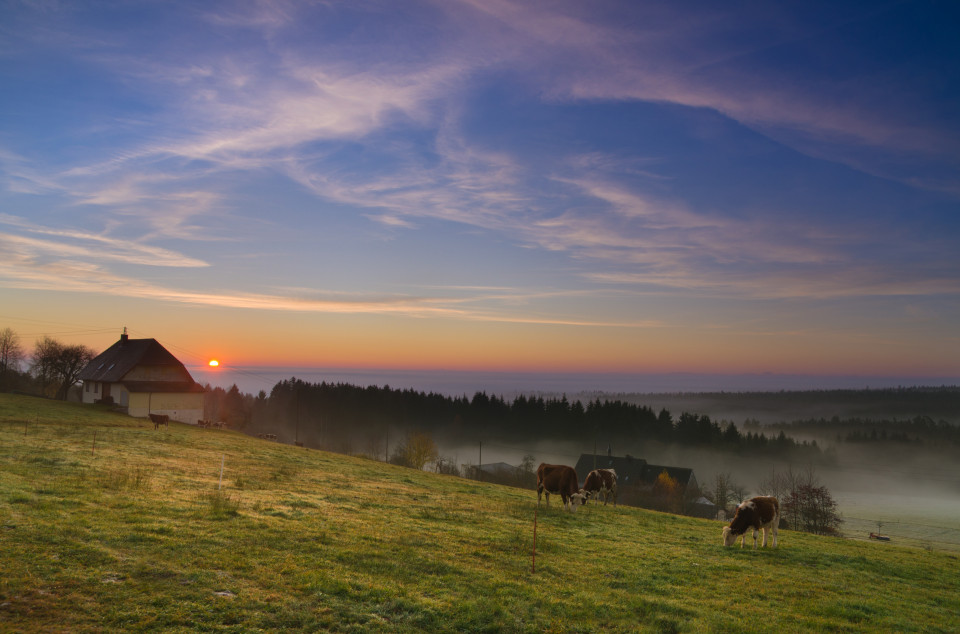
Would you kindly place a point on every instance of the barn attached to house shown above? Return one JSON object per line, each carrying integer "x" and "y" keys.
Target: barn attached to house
{"x": 141, "y": 376}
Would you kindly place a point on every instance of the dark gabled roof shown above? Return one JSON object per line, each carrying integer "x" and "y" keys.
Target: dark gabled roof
{"x": 630, "y": 470}
{"x": 114, "y": 363}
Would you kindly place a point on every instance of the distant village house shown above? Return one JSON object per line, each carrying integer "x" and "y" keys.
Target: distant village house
{"x": 634, "y": 471}
{"x": 141, "y": 376}
{"x": 637, "y": 478}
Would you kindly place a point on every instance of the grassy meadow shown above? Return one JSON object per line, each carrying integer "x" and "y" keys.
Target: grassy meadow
{"x": 109, "y": 525}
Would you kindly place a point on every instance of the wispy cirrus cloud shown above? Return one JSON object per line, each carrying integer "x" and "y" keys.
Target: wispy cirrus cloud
{"x": 715, "y": 57}
{"x": 387, "y": 140}
{"x": 70, "y": 244}
{"x": 831, "y": 283}
{"x": 21, "y": 271}
{"x": 309, "y": 105}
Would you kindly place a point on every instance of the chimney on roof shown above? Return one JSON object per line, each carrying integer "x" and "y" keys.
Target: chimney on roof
{"x": 123, "y": 337}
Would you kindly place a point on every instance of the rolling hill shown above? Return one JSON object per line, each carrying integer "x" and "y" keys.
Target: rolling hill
{"x": 107, "y": 524}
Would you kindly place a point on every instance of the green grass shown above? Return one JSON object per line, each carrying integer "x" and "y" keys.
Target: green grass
{"x": 137, "y": 533}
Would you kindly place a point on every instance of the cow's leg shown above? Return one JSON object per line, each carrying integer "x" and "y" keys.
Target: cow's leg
{"x": 764, "y": 530}
{"x": 755, "y": 531}
{"x": 774, "y": 533}
{"x": 539, "y": 495}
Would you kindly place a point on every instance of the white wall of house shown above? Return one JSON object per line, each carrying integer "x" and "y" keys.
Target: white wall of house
{"x": 91, "y": 391}
{"x": 182, "y": 407}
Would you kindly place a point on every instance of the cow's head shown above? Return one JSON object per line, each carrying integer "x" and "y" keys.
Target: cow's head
{"x": 728, "y": 536}
{"x": 578, "y": 498}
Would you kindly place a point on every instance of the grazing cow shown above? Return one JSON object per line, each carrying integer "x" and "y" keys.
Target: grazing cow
{"x": 601, "y": 483}
{"x": 759, "y": 513}
{"x": 159, "y": 419}
{"x": 560, "y": 479}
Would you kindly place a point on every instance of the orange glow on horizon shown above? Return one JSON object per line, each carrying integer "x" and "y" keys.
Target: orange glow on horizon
{"x": 365, "y": 343}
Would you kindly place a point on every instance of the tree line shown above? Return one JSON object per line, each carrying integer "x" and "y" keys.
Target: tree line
{"x": 918, "y": 429}
{"x": 340, "y": 415}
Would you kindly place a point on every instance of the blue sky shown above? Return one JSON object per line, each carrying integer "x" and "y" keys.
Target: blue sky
{"x": 602, "y": 186}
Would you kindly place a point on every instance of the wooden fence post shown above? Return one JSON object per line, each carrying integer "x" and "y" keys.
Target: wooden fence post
{"x": 533, "y": 566}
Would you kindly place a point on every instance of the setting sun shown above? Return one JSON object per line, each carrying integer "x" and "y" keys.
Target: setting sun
{"x": 214, "y": 363}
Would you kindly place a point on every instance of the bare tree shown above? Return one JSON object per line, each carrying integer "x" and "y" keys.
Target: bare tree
{"x": 724, "y": 492}
{"x": 44, "y": 360}
{"x": 805, "y": 504}
{"x": 778, "y": 483}
{"x": 719, "y": 492}
{"x": 815, "y": 510}
{"x": 57, "y": 366}
{"x": 447, "y": 466}
{"x": 11, "y": 353}
{"x": 72, "y": 361}
{"x": 528, "y": 466}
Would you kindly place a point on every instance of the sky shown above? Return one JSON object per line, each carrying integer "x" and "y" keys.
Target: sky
{"x": 488, "y": 186}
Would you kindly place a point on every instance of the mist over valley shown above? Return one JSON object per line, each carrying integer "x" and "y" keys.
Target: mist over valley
{"x": 889, "y": 456}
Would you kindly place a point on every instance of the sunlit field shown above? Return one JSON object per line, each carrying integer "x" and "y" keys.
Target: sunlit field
{"x": 107, "y": 524}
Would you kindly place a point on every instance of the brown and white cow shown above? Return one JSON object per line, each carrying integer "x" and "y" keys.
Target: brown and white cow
{"x": 601, "y": 483}
{"x": 759, "y": 513}
{"x": 562, "y": 480}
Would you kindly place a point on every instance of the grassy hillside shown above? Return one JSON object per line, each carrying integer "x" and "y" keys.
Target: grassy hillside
{"x": 106, "y": 524}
